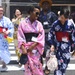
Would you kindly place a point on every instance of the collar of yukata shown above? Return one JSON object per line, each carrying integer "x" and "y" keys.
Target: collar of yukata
{"x": 42, "y": 12}
{"x": 28, "y": 21}
{"x": 1, "y": 18}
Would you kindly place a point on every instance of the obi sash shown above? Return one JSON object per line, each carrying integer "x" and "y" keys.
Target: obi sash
{"x": 2, "y": 29}
{"x": 62, "y": 36}
{"x": 29, "y": 36}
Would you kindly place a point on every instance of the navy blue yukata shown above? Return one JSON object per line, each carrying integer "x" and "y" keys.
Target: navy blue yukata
{"x": 62, "y": 37}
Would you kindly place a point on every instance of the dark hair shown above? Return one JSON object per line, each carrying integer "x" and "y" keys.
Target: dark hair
{"x": 15, "y": 11}
{"x": 64, "y": 12}
{"x": 31, "y": 8}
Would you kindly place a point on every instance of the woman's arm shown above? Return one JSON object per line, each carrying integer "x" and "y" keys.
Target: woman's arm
{"x": 24, "y": 51}
{"x": 32, "y": 46}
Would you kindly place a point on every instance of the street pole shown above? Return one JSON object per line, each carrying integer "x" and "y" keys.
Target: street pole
{"x": 0, "y": 2}
{"x": 8, "y": 8}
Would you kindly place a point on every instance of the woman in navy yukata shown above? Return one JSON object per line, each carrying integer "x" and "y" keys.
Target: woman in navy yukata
{"x": 62, "y": 37}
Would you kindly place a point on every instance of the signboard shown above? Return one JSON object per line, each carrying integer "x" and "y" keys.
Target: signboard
{"x": 63, "y": 1}
{"x": 54, "y": 1}
{"x": 0, "y": 2}
{"x": 25, "y": 1}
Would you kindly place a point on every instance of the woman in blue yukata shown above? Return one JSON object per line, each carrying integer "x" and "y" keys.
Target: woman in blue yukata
{"x": 62, "y": 37}
{"x": 6, "y": 29}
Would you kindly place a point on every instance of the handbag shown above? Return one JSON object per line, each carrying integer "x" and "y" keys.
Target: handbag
{"x": 52, "y": 63}
{"x": 23, "y": 59}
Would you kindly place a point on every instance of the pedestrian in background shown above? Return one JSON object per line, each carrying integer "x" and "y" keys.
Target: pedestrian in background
{"x": 62, "y": 37}
{"x": 6, "y": 29}
{"x": 31, "y": 41}
{"x": 18, "y": 17}
{"x": 72, "y": 18}
{"x": 46, "y": 17}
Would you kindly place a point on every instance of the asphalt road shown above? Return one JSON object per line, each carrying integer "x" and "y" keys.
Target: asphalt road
{"x": 22, "y": 73}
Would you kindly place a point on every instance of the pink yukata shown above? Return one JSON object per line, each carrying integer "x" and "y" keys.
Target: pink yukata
{"x": 33, "y": 66}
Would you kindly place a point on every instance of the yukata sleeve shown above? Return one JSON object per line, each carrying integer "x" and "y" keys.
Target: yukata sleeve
{"x": 73, "y": 37}
{"x": 54, "y": 17}
{"x": 20, "y": 36}
{"x": 41, "y": 39}
{"x": 51, "y": 36}
{"x": 10, "y": 28}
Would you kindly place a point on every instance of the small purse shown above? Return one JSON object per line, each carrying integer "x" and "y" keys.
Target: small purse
{"x": 23, "y": 59}
{"x": 52, "y": 63}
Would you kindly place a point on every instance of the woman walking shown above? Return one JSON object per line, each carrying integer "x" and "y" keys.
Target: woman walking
{"x": 62, "y": 37}
{"x": 31, "y": 41}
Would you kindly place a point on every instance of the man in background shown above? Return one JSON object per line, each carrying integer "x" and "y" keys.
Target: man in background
{"x": 46, "y": 17}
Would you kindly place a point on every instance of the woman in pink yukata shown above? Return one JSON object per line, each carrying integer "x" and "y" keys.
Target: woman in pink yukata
{"x": 31, "y": 41}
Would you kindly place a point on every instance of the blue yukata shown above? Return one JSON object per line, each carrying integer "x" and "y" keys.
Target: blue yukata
{"x": 47, "y": 19}
{"x": 4, "y": 52}
{"x": 62, "y": 37}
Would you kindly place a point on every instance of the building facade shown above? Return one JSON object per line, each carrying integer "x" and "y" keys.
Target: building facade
{"x": 11, "y": 5}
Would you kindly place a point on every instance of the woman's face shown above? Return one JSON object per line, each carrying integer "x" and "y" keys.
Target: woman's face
{"x": 35, "y": 14}
{"x": 17, "y": 13}
{"x": 62, "y": 19}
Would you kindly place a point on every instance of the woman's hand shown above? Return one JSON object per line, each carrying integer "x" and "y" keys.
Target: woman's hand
{"x": 52, "y": 48}
{"x": 24, "y": 51}
{"x": 20, "y": 16}
{"x": 32, "y": 47}
{"x": 6, "y": 32}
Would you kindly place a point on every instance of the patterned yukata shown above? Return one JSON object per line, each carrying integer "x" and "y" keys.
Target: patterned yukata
{"x": 63, "y": 46}
{"x": 33, "y": 66}
{"x": 16, "y": 24}
{"x": 4, "y": 52}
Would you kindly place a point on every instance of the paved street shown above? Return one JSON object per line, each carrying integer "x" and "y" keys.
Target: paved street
{"x": 14, "y": 69}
